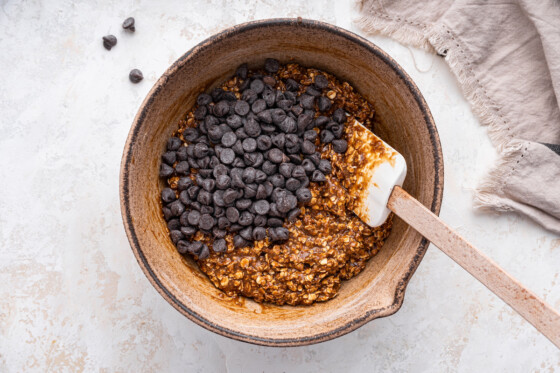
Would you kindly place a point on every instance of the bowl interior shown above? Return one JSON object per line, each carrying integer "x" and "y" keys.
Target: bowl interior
{"x": 405, "y": 123}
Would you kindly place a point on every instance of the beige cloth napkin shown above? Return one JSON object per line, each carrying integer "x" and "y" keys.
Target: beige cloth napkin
{"x": 506, "y": 57}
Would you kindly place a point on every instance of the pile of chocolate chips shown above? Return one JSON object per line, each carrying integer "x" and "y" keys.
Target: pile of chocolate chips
{"x": 246, "y": 166}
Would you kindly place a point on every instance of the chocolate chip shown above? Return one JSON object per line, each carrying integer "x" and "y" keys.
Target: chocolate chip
{"x": 304, "y": 195}
{"x": 182, "y": 154}
{"x": 173, "y": 143}
{"x": 109, "y": 41}
{"x": 279, "y": 234}
{"x": 204, "y": 252}
{"x": 299, "y": 171}
{"x": 292, "y": 184}
{"x": 167, "y": 213}
{"x": 288, "y": 125}
{"x": 307, "y": 147}
{"x": 206, "y": 210}
{"x": 242, "y": 108}
{"x": 271, "y": 65}
{"x": 249, "y": 144}
{"x": 234, "y": 121}
{"x": 128, "y": 24}
{"x": 275, "y": 155}
{"x": 277, "y": 115}
{"x": 230, "y": 196}
{"x": 325, "y": 166}
{"x": 243, "y": 204}
{"x": 326, "y": 136}
{"x": 269, "y": 96}
{"x": 318, "y": 176}
{"x": 246, "y": 218}
{"x": 323, "y": 103}
{"x": 293, "y": 214}
{"x": 135, "y": 76}
{"x": 250, "y": 96}
{"x": 321, "y": 82}
{"x": 295, "y": 159}
{"x": 193, "y": 217}
{"x": 252, "y": 128}
{"x": 239, "y": 242}
{"x": 223, "y": 222}
{"x": 168, "y": 195}
{"x": 292, "y": 85}
{"x": 188, "y": 231}
{"x": 223, "y": 181}
{"x": 173, "y": 224}
{"x": 242, "y": 71}
{"x": 203, "y": 99}
{"x": 247, "y": 233}
{"x": 339, "y": 115}
{"x": 257, "y": 86}
{"x": 219, "y": 245}
{"x": 268, "y": 168}
{"x": 312, "y": 91}
{"x": 262, "y": 207}
{"x": 228, "y": 139}
{"x": 166, "y": 170}
{"x": 277, "y": 180}
{"x": 286, "y": 203}
{"x": 259, "y": 233}
{"x": 340, "y": 146}
{"x": 227, "y": 156}
{"x": 176, "y": 207}
{"x": 306, "y": 101}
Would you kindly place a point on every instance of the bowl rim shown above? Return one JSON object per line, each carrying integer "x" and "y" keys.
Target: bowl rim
{"x": 350, "y": 325}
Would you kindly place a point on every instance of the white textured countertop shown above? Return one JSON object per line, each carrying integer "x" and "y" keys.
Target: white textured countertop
{"x": 72, "y": 297}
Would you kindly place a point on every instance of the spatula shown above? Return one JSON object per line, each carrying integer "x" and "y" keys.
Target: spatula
{"x": 379, "y": 191}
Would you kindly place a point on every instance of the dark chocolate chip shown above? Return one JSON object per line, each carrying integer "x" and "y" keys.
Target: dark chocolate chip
{"x": 135, "y": 76}
{"x": 310, "y": 90}
{"x": 242, "y": 108}
{"x": 306, "y": 101}
{"x": 271, "y": 65}
{"x": 262, "y": 207}
{"x": 326, "y": 136}
{"x": 278, "y": 115}
{"x": 223, "y": 181}
{"x": 168, "y": 195}
{"x": 299, "y": 171}
{"x": 247, "y": 233}
{"x": 109, "y": 41}
{"x": 243, "y": 204}
{"x": 223, "y": 222}
{"x": 206, "y": 222}
{"x": 303, "y": 195}
{"x": 288, "y": 125}
{"x": 252, "y": 128}
{"x": 246, "y": 218}
{"x": 219, "y": 245}
{"x": 259, "y": 233}
{"x": 249, "y": 144}
{"x": 227, "y": 156}
{"x": 307, "y": 147}
{"x": 277, "y": 180}
{"x": 340, "y": 146}
{"x": 242, "y": 71}
{"x": 292, "y": 85}
{"x": 321, "y": 82}
{"x": 293, "y": 214}
{"x": 257, "y": 86}
{"x": 323, "y": 103}
{"x": 339, "y": 115}
{"x": 204, "y": 252}
{"x": 173, "y": 143}
{"x": 173, "y": 224}
{"x": 230, "y": 195}
{"x": 268, "y": 168}
{"x": 193, "y": 217}
{"x": 188, "y": 230}
{"x": 176, "y": 207}
{"x": 166, "y": 170}
{"x": 318, "y": 176}
{"x": 228, "y": 139}
{"x": 239, "y": 242}
{"x": 292, "y": 184}
{"x": 325, "y": 166}
{"x": 276, "y": 155}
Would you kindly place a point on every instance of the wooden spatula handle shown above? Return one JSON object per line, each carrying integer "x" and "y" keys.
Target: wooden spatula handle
{"x": 540, "y": 314}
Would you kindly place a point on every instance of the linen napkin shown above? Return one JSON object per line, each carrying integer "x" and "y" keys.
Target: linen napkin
{"x": 506, "y": 57}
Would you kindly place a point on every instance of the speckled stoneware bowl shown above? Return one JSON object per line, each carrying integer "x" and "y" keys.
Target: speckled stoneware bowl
{"x": 405, "y": 123}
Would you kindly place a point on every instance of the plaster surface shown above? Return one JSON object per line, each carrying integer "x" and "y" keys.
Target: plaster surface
{"x": 72, "y": 297}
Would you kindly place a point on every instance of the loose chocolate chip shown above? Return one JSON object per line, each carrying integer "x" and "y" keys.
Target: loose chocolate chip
{"x": 242, "y": 108}
{"x": 135, "y": 76}
{"x": 188, "y": 230}
{"x": 193, "y": 192}
{"x": 201, "y": 150}
{"x": 285, "y": 105}
{"x": 249, "y": 175}
{"x": 220, "y": 170}
{"x": 303, "y": 195}
{"x": 208, "y": 185}
{"x": 190, "y": 134}
{"x": 321, "y": 121}
{"x": 321, "y": 82}
{"x": 234, "y": 121}
{"x": 242, "y": 71}
{"x": 183, "y": 168}
{"x": 292, "y": 85}
{"x": 293, "y": 214}
{"x": 262, "y": 207}
{"x": 315, "y": 158}
{"x": 271, "y": 65}
{"x": 337, "y": 130}
{"x": 274, "y": 211}
{"x": 128, "y": 24}
{"x": 259, "y": 233}
{"x": 246, "y": 218}
{"x": 109, "y": 41}
{"x": 323, "y": 103}
{"x": 250, "y": 191}
{"x": 340, "y": 146}
{"x": 325, "y": 166}
{"x": 292, "y": 184}
{"x": 219, "y": 245}
{"x": 168, "y": 195}
{"x": 318, "y": 176}
{"x": 165, "y": 170}
{"x": 176, "y": 207}
{"x": 239, "y": 242}
{"x": 257, "y": 86}
{"x": 307, "y": 147}
{"x": 206, "y": 210}
{"x": 326, "y": 136}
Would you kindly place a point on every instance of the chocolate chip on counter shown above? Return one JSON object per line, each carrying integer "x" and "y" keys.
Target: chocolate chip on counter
{"x": 166, "y": 170}
{"x": 303, "y": 195}
{"x": 340, "y": 146}
{"x": 128, "y": 24}
{"x": 242, "y": 71}
{"x": 168, "y": 195}
{"x": 257, "y": 86}
{"x": 321, "y": 82}
{"x": 323, "y": 103}
{"x": 219, "y": 245}
{"x": 109, "y": 41}
{"x": 135, "y": 76}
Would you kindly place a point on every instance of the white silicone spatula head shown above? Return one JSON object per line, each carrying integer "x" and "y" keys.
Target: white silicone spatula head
{"x": 383, "y": 168}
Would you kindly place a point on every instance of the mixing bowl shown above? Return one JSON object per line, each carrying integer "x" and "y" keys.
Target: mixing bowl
{"x": 404, "y": 121}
